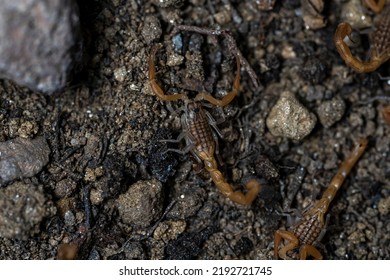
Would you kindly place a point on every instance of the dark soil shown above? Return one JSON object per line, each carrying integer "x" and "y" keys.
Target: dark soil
{"x": 105, "y": 132}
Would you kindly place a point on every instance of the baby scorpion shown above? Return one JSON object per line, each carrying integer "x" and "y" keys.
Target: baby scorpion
{"x": 310, "y": 228}
{"x": 200, "y": 138}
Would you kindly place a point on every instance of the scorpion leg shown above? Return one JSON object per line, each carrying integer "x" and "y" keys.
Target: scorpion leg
{"x": 153, "y": 84}
{"x": 287, "y": 235}
{"x": 188, "y": 148}
{"x": 216, "y": 132}
{"x": 309, "y": 250}
{"x": 181, "y": 152}
{"x": 228, "y": 97}
{"x": 344, "y": 30}
{"x": 213, "y": 124}
{"x": 376, "y": 6}
{"x": 177, "y": 140}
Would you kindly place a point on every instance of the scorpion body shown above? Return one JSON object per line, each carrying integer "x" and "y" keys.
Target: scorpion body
{"x": 311, "y": 226}
{"x": 202, "y": 144}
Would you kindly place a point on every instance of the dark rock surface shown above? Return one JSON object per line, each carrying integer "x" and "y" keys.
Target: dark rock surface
{"x": 39, "y": 41}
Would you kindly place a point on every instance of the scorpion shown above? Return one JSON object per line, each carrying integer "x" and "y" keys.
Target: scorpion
{"x": 380, "y": 41}
{"x": 310, "y": 226}
{"x": 201, "y": 140}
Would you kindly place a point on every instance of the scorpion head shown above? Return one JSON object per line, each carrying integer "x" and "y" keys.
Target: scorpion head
{"x": 192, "y": 110}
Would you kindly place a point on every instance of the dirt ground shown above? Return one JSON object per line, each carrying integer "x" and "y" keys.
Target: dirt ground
{"x": 112, "y": 191}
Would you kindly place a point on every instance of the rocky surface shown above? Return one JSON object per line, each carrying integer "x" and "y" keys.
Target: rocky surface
{"x": 40, "y": 42}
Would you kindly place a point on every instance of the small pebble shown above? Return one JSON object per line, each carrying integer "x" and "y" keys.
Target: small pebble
{"x": 169, "y": 230}
{"x": 120, "y": 73}
{"x": 151, "y": 30}
{"x": 330, "y": 112}
{"x": 290, "y": 119}
{"x": 69, "y": 218}
{"x": 65, "y": 188}
{"x": 174, "y": 59}
{"x": 177, "y": 42}
{"x": 288, "y": 52}
{"x": 314, "y": 92}
{"x": 21, "y": 158}
{"x": 384, "y": 206}
{"x": 223, "y": 17}
{"x": 142, "y": 203}
{"x": 353, "y": 13}
{"x": 356, "y": 237}
{"x": 314, "y": 70}
{"x": 312, "y": 14}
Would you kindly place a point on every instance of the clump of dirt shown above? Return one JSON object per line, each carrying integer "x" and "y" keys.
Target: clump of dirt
{"x": 24, "y": 207}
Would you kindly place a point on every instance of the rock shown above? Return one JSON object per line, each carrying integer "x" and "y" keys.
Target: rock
{"x": 21, "y": 158}
{"x": 65, "y": 188}
{"x": 290, "y": 119}
{"x": 169, "y": 230}
{"x": 23, "y": 207}
{"x": 331, "y": 111}
{"x": 142, "y": 203}
{"x": 353, "y": 13}
{"x": 69, "y": 218}
{"x": 384, "y": 206}
{"x": 312, "y": 16}
{"x": 39, "y": 41}
{"x": 224, "y": 16}
{"x": 314, "y": 70}
{"x": 151, "y": 30}
{"x": 265, "y": 168}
